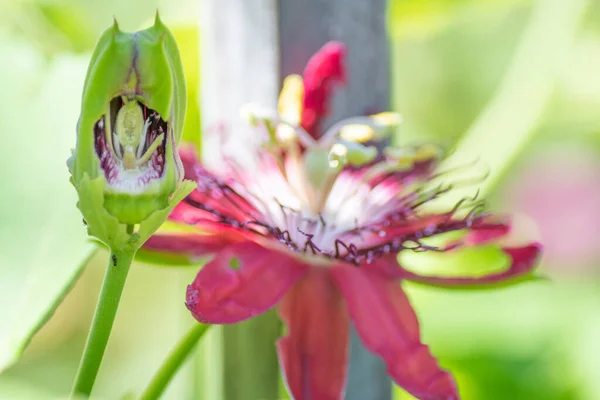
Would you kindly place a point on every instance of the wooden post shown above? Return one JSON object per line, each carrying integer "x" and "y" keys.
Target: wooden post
{"x": 248, "y": 46}
{"x": 239, "y": 64}
{"x": 304, "y": 26}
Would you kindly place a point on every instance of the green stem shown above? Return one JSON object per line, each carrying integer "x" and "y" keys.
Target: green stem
{"x": 106, "y": 310}
{"x": 251, "y": 370}
{"x": 171, "y": 365}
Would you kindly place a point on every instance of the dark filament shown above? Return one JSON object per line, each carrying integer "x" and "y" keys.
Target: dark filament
{"x": 347, "y": 246}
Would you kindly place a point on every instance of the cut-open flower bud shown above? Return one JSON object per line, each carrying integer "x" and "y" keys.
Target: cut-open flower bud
{"x": 125, "y": 166}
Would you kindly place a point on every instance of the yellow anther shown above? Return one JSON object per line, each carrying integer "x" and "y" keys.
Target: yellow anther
{"x": 405, "y": 163}
{"x": 404, "y": 157}
{"x": 387, "y": 118}
{"x": 359, "y": 133}
{"x": 291, "y": 98}
{"x": 427, "y": 152}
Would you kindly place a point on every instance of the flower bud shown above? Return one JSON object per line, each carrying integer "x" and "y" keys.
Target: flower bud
{"x": 125, "y": 166}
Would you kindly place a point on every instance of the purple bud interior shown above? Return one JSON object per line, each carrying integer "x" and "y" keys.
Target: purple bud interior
{"x": 110, "y": 150}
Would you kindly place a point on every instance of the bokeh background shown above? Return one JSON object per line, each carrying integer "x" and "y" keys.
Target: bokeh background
{"x": 534, "y": 341}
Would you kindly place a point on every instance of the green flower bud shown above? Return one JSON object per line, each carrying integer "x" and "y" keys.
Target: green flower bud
{"x": 125, "y": 166}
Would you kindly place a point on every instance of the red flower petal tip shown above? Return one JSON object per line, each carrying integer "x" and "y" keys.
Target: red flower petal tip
{"x": 242, "y": 281}
{"x": 524, "y": 258}
{"x": 327, "y": 63}
{"x": 324, "y": 69}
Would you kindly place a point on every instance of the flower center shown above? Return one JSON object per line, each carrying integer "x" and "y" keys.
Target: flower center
{"x": 343, "y": 196}
{"x": 130, "y": 143}
{"x": 365, "y": 214}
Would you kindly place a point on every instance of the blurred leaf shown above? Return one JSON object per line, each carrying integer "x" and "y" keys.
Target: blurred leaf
{"x": 43, "y": 240}
{"x": 161, "y": 259}
{"x": 442, "y": 82}
{"x": 50, "y": 28}
{"x": 67, "y": 19}
{"x": 15, "y": 389}
{"x": 187, "y": 37}
{"x": 521, "y": 320}
{"x": 489, "y": 375}
{"x": 585, "y": 361}
{"x": 421, "y": 18}
{"x": 513, "y": 114}
{"x": 493, "y": 375}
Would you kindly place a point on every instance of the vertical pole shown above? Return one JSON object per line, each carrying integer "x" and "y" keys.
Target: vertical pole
{"x": 247, "y": 47}
{"x": 304, "y": 26}
{"x": 240, "y": 64}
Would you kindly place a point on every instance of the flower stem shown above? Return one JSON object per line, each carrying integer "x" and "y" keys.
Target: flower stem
{"x": 171, "y": 365}
{"x": 251, "y": 370}
{"x": 106, "y": 310}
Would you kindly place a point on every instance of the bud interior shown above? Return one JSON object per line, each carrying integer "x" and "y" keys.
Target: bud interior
{"x": 130, "y": 141}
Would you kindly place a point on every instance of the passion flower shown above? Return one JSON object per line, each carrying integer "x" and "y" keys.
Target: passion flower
{"x": 316, "y": 228}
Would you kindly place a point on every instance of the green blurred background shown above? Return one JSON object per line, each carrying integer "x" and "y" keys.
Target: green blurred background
{"x": 450, "y": 60}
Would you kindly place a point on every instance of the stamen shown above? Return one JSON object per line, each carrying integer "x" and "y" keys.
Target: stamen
{"x": 331, "y": 134}
{"x": 157, "y": 142}
{"x": 254, "y": 113}
{"x": 309, "y": 243}
{"x": 140, "y": 149}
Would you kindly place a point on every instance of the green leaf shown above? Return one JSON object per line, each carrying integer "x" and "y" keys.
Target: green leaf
{"x": 43, "y": 245}
{"x": 188, "y": 38}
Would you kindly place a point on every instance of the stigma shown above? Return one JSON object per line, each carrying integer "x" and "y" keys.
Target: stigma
{"x": 129, "y": 137}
